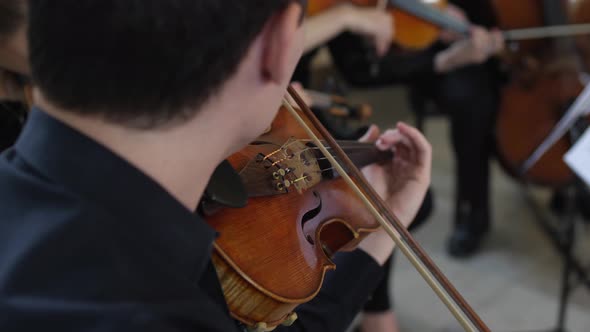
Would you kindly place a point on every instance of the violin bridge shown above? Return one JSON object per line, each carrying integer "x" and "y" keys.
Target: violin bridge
{"x": 293, "y": 166}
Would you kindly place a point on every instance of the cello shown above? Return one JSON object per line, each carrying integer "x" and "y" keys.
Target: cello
{"x": 546, "y": 81}
{"x": 274, "y": 252}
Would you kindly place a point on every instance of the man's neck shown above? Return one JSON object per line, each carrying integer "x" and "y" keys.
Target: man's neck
{"x": 181, "y": 159}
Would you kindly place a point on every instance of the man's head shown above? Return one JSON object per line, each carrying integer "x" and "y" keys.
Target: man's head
{"x": 153, "y": 63}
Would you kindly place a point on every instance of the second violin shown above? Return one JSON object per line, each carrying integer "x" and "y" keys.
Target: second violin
{"x": 417, "y": 24}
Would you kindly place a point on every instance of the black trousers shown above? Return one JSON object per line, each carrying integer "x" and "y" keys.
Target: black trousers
{"x": 469, "y": 97}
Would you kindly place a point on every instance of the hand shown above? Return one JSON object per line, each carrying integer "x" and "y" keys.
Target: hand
{"x": 401, "y": 183}
{"x": 373, "y": 23}
{"x": 481, "y": 45}
{"x": 458, "y": 14}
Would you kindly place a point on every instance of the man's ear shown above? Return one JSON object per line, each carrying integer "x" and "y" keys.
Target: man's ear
{"x": 281, "y": 44}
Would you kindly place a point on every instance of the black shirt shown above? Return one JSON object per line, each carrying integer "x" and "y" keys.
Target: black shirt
{"x": 90, "y": 243}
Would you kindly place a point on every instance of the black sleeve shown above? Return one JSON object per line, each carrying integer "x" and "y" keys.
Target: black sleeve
{"x": 343, "y": 295}
{"x": 360, "y": 67}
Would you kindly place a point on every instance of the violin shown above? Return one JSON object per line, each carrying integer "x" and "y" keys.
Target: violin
{"x": 307, "y": 200}
{"x": 417, "y": 23}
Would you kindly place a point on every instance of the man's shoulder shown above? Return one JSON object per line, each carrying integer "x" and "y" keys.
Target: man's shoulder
{"x": 27, "y": 195}
{"x": 38, "y": 215}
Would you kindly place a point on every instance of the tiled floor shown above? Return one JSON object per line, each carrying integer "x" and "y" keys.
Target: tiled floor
{"x": 514, "y": 283}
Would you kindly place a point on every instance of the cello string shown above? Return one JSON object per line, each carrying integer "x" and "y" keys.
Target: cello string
{"x": 428, "y": 276}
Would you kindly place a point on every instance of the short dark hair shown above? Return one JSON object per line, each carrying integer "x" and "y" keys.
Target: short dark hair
{"x": 141, "y": 63}
{"x": 12, "y": 16}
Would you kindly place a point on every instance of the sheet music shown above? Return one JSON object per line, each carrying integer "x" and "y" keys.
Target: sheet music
{"x": 580, "y": 107}
{"x": 578, "y": 157}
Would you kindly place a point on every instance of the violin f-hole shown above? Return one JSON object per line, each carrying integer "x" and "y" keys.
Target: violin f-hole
{"x": 309, "y": 215}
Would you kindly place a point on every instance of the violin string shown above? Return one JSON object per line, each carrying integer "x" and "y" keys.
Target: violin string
{"x": 343, "y": 143}
{"x": 348, "y": 145}
{"x": 266, "y": 157}
{"x": 277, "y": 150}
{"x": 279, "y": 161}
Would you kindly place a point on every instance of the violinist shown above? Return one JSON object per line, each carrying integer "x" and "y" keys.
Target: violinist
{"x": 13, "y": 67}
{"x": 136, "y": 108}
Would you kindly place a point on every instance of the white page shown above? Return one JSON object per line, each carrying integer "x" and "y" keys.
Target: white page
{"x": 578, "y": 157}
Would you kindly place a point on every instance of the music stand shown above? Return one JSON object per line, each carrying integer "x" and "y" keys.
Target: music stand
{"x": 563, "y": 237}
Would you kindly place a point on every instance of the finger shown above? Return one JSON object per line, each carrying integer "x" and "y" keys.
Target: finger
{"x": 392, "y": 138}
{"x": 457, "y": 13}
{"x": 419, "y": 142}
{"x": 499, "y": 39}
{"x": 371, "y": 135}
{"x": 389, "y": 139}
{"x": 478, "y": 35}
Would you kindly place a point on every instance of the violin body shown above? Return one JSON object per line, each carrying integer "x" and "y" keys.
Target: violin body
{"x": 273, "y": 254}
{"x": 411, "y": 32}
{"x": 545, "y": 81}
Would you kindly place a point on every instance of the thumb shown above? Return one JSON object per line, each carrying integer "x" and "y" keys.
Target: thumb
{"x": 371, "y": 135}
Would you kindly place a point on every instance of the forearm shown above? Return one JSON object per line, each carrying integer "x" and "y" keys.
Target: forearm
{"x": 320, "y": 29}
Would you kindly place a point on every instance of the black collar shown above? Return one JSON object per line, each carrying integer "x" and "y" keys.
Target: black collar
{"x": 80, "y": 165}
